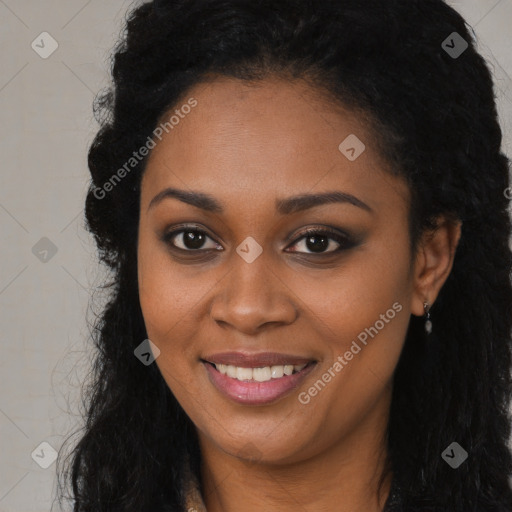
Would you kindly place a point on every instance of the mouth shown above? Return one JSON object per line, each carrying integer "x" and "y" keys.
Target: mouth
{"x": 256, "y": 380}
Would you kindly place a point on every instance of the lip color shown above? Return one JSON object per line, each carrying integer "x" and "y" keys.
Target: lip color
{"x": 252, "y": 392}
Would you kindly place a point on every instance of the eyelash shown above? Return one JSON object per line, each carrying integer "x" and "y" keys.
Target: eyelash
{"x": 345, "y": 241}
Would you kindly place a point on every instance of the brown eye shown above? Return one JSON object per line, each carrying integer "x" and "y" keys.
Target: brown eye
{"x": 189, "y": 240}
{"x": 317, "y": 241}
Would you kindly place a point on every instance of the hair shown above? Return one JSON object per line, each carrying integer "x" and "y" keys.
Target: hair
{"x": 434, "y": 120}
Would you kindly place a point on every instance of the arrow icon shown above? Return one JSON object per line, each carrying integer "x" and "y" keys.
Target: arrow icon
{"x": 352, "y": 147}
{"x": 44, "y": 455}
{"x": 147, "y": 352}
{"x": 454, "y": 45}
{"x": 44, "y": 45}
{"x": 454, "y": 455}
{"x": 249, "y": 249}
{"x": 44, "y": 250}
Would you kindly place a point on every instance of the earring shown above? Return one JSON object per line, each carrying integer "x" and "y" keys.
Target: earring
{"x": 428, "y": 321}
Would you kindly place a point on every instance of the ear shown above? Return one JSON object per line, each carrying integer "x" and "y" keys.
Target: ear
{"x": 433, "y": 262}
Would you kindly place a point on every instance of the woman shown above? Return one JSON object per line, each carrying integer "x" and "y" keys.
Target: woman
{"x": 303, "y": 208}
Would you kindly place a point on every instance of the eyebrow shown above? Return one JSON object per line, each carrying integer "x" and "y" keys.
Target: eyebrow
{"x": 283, "y": 206}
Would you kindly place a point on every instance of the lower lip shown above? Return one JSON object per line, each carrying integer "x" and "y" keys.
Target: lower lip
{"x": 256, "y": 393}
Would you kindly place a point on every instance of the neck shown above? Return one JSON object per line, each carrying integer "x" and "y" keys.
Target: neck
{"x": 344, "y": 477}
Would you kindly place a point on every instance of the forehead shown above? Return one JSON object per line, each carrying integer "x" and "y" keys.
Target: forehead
{"x": 247, "y": 140}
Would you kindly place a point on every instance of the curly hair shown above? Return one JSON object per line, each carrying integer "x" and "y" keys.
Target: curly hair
{"x": 435, "y": 121}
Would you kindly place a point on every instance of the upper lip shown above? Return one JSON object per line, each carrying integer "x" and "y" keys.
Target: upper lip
{"x": 260, "y": 360}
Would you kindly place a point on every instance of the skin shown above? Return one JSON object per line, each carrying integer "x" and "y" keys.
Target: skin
{"x": 248, "y": 145}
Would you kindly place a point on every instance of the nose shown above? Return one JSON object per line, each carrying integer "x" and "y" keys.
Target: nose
{"x": 251, "y": 296}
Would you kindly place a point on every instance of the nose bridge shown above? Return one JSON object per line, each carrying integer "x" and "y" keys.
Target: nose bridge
{"x": 251, "y": 281}
{"x": 252, "y": 295}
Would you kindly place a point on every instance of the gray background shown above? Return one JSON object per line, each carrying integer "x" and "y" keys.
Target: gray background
{"x": 46, "y": 127}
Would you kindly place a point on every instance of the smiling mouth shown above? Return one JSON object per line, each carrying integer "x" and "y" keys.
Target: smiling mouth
{"x": 253, "y": 383}
{"x": 259, "y": 374}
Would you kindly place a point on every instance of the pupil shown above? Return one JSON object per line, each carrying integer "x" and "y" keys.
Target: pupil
{"x": 318, "y": 247}
{"x": 193, "y": 240}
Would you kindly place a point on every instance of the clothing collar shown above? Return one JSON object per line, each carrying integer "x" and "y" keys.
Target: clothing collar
{"x": 193, "y": 499}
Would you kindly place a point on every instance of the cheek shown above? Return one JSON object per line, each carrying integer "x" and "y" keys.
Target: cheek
{"x": 166, "y": 297}
{"x": 354, "y": 296}
{"x": 168, "y": 304}
{"x": 367, "y": 318}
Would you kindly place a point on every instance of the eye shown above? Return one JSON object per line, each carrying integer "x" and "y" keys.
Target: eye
{"x": 315, "y": 240}
{"x": 190, "y": 239}
{"x": 319, "y": 240}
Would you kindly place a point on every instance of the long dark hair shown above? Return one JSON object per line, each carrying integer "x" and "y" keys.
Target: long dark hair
{"x": 435, "y": 120}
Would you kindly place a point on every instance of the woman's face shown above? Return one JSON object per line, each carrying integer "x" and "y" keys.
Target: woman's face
{"x": 252, "y": 290}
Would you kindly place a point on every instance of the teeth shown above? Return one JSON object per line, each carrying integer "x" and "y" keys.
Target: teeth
{"x": 288, "y": 369}
{"x": 259, "y": 374}
{"x": 277, "y": 372}
{"x": 243, "y": 373}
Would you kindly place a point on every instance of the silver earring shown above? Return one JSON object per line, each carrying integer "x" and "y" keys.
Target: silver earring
{"x": 428, "y": 321}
